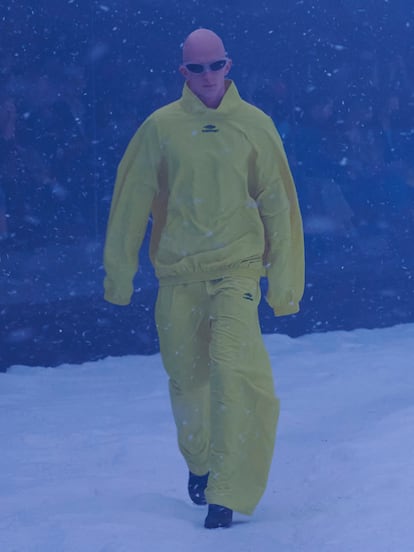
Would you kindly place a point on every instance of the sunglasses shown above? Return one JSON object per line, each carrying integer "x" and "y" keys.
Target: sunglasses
{"x": 201, "y": 67}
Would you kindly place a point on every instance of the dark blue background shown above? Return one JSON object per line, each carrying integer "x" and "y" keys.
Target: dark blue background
{"x": 337, "y": 78}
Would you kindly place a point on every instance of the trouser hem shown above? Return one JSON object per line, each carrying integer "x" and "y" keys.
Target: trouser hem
{"x": 229, "y": 502}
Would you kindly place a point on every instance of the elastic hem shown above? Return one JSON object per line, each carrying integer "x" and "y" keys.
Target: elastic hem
{"x": 286, "y": 310}
{"x": 206, "y": 276}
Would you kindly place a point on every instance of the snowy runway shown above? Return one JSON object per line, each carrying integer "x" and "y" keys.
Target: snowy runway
{"x": 89, "y": 461}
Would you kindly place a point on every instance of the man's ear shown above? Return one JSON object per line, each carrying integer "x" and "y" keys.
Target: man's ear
{"x": 228, "y": 67}
{"x": 184, "y": 71}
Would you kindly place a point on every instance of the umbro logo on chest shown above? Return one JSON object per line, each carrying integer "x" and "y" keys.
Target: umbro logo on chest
{"x": 210, "y": 128}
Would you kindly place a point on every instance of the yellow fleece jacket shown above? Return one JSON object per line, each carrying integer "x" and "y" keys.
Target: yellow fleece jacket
{"x": 222, "y": 198}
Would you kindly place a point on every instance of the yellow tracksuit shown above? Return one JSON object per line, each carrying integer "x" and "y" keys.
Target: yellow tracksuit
{"x": 225, "y": 212}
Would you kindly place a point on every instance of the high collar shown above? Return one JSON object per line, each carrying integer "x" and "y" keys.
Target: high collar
{"x": 193, "y": 104}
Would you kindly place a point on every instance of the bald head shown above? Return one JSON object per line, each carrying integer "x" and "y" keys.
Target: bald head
{"x": 206, "y": 79}
{"x": 203, "y": 45}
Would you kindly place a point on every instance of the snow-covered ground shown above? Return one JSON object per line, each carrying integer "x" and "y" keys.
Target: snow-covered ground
{"x": 89, "y": 461}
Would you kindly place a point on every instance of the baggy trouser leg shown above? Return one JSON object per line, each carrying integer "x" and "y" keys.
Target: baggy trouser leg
{"x": 190, "y": 406}
{"x": 183, "y": 327}
{"x": 244, "y": 407}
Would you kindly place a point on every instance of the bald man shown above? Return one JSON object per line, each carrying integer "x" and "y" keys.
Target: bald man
{"x": 212, "y": 170}
{"x": 209, "y": 85}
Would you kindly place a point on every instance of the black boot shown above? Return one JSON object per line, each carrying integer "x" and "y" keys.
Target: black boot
{"x": 218, "y": 516}
{"x": 196, "y": 486}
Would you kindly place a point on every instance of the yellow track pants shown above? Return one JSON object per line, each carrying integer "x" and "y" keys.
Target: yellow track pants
{"x": 221, "y": 386}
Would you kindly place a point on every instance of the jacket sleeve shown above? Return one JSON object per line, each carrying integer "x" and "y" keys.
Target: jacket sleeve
{"x": 279, "y": 210}
{"x": 135, "y": 187}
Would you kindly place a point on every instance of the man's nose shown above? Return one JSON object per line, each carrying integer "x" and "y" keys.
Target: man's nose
{"x": 208, "y": 74}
